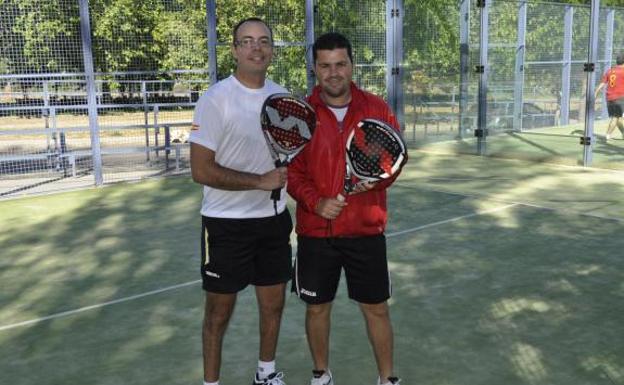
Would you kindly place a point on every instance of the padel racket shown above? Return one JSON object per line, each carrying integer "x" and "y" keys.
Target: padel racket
{"x": 288, "y": 124}
{"x": 375, "y": 151}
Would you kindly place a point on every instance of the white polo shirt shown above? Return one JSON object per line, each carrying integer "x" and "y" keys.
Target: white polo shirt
{"x": 228, "y": 116}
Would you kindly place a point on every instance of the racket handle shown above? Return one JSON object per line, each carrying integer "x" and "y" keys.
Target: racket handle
{"x": 275, "y": 194}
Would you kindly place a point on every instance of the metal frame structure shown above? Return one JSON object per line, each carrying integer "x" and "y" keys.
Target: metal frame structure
{"x": 394, "y": 69}
{"x": 482, "y": 69}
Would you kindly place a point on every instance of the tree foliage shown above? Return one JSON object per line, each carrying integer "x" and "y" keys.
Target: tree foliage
{"x": 165, "y": 35}
{"x": 40, "y": 36}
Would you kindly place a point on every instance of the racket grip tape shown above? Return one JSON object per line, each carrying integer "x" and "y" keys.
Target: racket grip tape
{"x": 275, "y": 194}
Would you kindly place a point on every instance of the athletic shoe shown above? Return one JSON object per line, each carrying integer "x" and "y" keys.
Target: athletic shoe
{"x": 321, "y": 377}
{"x": 391, "y": 380}
{"x": 272, "y": 379}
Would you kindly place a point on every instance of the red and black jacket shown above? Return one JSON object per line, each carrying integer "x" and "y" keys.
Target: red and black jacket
{"x": 319, "y": 170}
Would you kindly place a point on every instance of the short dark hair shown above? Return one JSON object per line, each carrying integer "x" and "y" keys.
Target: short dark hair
{"x": 619, "y": 60}
{"x": 330, "y": 41}
{"x": 253, "y": 19}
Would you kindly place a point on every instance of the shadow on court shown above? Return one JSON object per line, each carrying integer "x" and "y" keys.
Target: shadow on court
{"x": 68, "y": 251}
{"x": 503, "y": 272}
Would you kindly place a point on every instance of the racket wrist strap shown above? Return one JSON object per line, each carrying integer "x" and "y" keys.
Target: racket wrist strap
{"x": 275, "y": 202}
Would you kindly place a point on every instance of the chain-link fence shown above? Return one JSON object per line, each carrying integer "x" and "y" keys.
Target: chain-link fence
{"x": 152, "y": 59}
{"x": 149, "y": 60}
{"x": 534, "y": 57}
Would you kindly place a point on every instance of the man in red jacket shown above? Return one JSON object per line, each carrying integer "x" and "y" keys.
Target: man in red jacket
{"x": 334, "y": 234}
{"x": 614, "y": 80}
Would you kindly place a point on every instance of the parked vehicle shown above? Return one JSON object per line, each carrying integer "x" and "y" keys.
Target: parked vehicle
{"x": 499, "y": 116}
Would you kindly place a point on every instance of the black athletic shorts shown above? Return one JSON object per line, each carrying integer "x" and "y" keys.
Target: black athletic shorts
{"x": 615, "y": 108}
{"x": 320, "y": 261}
{"x": 240, "y": 252}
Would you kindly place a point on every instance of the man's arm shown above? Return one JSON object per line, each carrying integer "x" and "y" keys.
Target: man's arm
{"x": 205, "y": 170}
{"x": 300, "y": 185}
{"x": 302, "y": 188}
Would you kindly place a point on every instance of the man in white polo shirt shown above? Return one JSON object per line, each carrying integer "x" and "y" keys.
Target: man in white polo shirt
{"x": 243, "y": 240}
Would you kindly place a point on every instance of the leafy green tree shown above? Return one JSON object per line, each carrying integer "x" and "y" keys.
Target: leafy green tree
{"x": 48, "y": 33}
{"x": 123, "y": 34}
{"x": 11, "y": 41}
{"x": 180, "y": 37}
{"x": 431, "y": 46}
{"x": 364, "y": 23}
{"x": 287, "y": 20}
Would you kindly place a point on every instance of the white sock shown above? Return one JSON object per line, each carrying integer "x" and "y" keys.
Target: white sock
{"x": 211, "y": 383}
{"x": 265, "y": 368}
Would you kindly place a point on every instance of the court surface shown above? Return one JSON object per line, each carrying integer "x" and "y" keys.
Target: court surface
{"x": 504, "y": 272}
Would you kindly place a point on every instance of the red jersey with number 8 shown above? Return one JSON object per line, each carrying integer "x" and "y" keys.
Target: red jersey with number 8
{"x": 614, "y": 79}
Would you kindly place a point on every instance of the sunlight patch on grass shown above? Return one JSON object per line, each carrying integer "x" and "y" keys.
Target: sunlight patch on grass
{"x": 562, "y": 286}
{"x": 528, "y": 363}
{"x": 585, "y": 270}
{"x": 509, "y": 307}
{"x": 610, "y": 369}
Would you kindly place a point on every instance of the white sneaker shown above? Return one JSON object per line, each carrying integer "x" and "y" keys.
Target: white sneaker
{"x": 321, "y": 377}
{"x": 391, "y": 381}
{"x": 272, "y": 379}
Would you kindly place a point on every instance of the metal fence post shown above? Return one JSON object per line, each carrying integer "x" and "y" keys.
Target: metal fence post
{"x": 144, "y": 98}
{"x": 519, "y": 69}
{"x": 394, "y": 56}
{"x": 390, "y": 52}
{"x": 588, "y": 140}
{"x": 46, "y": 94}
{"x": 482, "y": 69}
{"x": 156, "y": 129}
{"x": 87, "y": 53}
{"x": 567, "y": 66}
{"x": 464, "y": 58}
{"x": 309, "y": 36}
{"x": 53, "y": 133}
{"x": 398, "y": 63}
{"x": 211, "y": 32}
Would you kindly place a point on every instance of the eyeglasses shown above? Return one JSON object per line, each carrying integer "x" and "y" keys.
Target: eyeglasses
{"x": 248, "y": 42}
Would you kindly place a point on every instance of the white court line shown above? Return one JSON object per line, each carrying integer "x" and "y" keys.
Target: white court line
{"x": 137, "y": 296}
{"x": 99, "y": 305}
{"x": 450, "y": 220}
{"x": 526, "y": 204}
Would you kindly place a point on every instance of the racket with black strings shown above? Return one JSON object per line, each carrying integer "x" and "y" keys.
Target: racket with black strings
{"x": 288, "y": 123}
{"x": 375, "y": 151}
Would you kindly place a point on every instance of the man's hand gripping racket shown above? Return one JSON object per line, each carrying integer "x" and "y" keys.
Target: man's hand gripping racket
{"x": 288, "y": 124}
{"x": 375, "y": 151}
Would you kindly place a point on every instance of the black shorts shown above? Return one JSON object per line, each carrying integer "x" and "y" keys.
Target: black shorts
{"x": 253, "y": 251}
{"x": 615, "y": 109}
{"x": 320, "y": 261}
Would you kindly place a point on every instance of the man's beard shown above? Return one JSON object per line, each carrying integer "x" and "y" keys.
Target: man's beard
{"x": 335, "y": 93}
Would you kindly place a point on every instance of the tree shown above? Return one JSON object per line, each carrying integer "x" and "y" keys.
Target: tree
{"x": 123, "y": 34}
{"x": 48, "y": 33}
{"x": 180, "y": 37}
